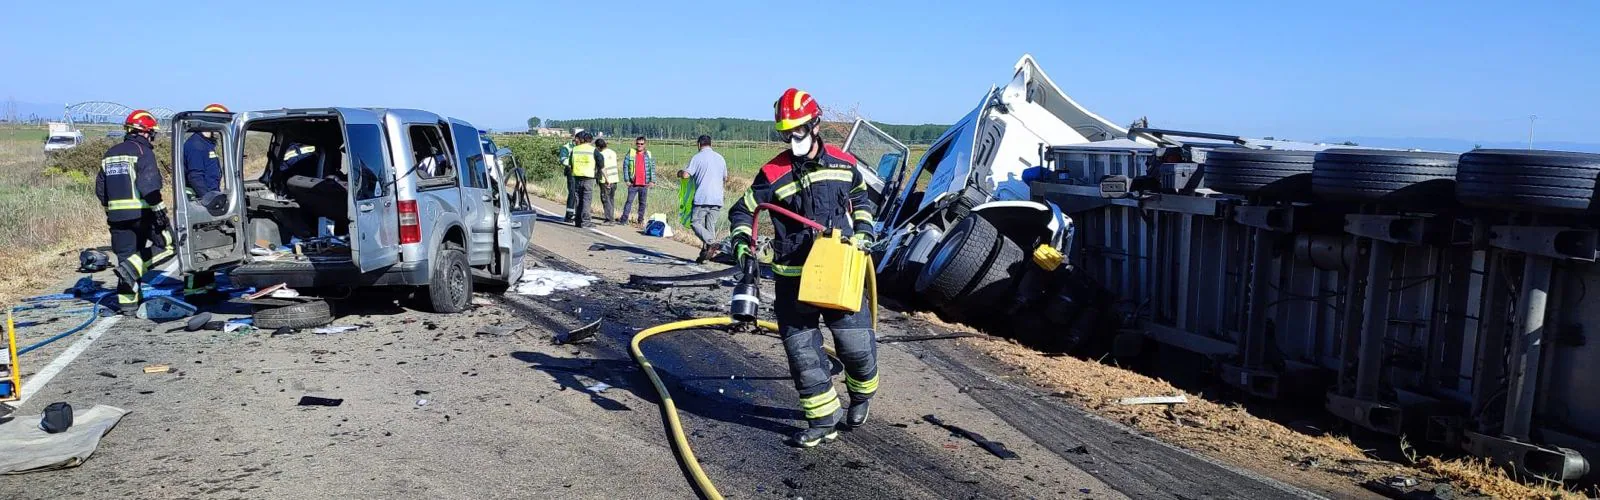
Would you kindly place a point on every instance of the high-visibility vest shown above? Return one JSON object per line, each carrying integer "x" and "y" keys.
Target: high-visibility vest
{"x": 611, "y": 170}
{"x": 583, "y": 160}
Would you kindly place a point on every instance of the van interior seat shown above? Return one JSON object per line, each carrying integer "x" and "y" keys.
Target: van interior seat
{"x": 322, "y": 198}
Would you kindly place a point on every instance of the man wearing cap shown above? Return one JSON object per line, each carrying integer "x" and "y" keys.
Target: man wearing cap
{"x": 708, "y": 169}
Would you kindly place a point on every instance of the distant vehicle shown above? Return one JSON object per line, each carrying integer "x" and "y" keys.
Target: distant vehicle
{"x": 352, "y": 197}
{"x": 62, "y": 137}
{"x": 115, "y": 135}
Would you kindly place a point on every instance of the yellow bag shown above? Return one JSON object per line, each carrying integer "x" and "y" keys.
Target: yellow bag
{"x": 834, "y": 275}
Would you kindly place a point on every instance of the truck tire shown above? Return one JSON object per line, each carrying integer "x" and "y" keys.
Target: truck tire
{"x": 1557, "y": 182}
{"x": 450, "y": 286}
{"x": 305, "y": 314}
{"x": 970, "y": 270}
{"x": 1260, "y": 172}
{"x": 1401, "y": 178}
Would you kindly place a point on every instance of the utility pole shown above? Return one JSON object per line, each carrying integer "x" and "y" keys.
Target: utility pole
{"x": 1531, "y": 118}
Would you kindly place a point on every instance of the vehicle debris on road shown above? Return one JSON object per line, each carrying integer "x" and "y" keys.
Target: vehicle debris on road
{"x": 1154, "y": 400}
{"x": 319, "y": 401}
{"x": 996, "y": 448}
{"x": 583, "y": 333}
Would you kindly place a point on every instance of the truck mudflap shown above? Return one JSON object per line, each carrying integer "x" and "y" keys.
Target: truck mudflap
{"x": 339, "y": 273}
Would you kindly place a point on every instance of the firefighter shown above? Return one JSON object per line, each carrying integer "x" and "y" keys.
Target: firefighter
{"x": 129, "y": 187}
{"x": 202, "y": 172}
{"x": 819, "y": 182}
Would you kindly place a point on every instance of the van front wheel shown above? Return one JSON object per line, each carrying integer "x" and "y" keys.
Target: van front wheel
{"x": 450, "y": 286}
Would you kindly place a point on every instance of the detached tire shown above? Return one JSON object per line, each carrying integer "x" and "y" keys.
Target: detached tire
{"x": 1556, "y": 182}
{"x": 1260, "y": 172}
{"x": 450, "y": 287}
{"x": 970, "y": 271}
{"x": 307, "y": 314}
{"x": 1401, "y": 178}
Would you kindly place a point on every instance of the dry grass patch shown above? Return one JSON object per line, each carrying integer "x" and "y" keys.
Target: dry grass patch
{"x": 1233, "y": 434}
{"x": 43, "y": 218}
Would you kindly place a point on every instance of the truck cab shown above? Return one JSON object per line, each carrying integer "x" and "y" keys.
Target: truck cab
{"x": 341, "y": 198}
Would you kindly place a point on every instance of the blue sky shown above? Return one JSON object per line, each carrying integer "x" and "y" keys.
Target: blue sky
{"x": 1467, "y": 70}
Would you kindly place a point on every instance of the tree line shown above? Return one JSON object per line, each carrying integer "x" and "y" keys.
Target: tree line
{"x": 724, "y": 129}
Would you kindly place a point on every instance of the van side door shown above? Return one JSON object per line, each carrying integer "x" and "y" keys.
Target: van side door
{"x": 477, "y": 203}
{"x": 516, "y": 208}
{"x": 207, "y": 240}
{"x": 375, "y": 229}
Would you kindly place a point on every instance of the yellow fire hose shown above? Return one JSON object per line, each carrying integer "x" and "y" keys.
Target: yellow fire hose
{"x": 680, "y": 442}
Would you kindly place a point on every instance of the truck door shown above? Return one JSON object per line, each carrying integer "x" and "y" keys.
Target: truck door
{"x": 516, "y": 210}
{"x": 207, "y": 238}
{"x": 375, "y": 219}
{"x": 477, "y": 202}
{"x": 883, "y": 159}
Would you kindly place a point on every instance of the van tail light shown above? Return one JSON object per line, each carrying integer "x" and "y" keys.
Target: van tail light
{"x": 410, "y": 230}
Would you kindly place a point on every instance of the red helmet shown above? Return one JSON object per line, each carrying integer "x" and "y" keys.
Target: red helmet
{"x": 215, "y": 108}
{"x": 140, "y": 120}
{"x": 794, "y": 109}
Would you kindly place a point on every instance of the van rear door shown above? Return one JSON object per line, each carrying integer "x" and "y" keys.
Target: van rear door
{"x": 207, "y": 240}
{"x": 375, "y": 229}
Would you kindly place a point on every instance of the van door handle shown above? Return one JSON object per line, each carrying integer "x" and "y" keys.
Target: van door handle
{"x": 486, "y": 198}
{"x": 516, "y": 225}
{"x": 365, "y": 206}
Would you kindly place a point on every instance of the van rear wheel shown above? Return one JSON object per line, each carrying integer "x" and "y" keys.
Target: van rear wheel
{"x": 450, "y": 286}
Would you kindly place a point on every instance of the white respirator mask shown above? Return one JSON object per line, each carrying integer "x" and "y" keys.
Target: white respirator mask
{"x": 801, "y": 140}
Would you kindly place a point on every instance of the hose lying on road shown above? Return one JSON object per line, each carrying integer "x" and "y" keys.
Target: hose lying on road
{"x": 669, "y": 410}
{"x": 94, "y": 313}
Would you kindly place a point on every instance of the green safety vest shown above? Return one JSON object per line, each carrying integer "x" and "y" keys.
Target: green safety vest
{"x": 611, "y": 170}
{"x": 583, "y": 160}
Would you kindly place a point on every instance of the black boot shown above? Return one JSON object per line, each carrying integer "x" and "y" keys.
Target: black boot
{"x": 821, "y": 431}
{"x": 810, "y": 437}
{"x": 856, "y": 415}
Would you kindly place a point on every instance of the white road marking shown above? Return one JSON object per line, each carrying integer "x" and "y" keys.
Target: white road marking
{"x": 42, "y": 377}
{"x": 691, "y": 267}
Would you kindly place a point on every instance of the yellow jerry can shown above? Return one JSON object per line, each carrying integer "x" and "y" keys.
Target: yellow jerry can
{"x": 834, "y": 274}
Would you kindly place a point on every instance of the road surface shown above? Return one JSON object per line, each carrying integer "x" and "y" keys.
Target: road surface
{"x": 484, "y": 405}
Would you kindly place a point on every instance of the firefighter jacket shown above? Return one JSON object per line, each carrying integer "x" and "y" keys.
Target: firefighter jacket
{"x": 202, "y": 172}
{"x": 828, "y": 190}
{"x": 129, "y": 183}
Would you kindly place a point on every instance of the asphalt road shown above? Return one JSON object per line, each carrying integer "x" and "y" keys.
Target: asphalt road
{"x": 484, "y": 405}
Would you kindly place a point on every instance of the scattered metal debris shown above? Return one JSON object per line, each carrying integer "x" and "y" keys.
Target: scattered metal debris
{"x": 334, "y": 329}
{"x": 319, "y": 401}
{"x": 1155, "y": 400}
{"x": 162, "y": 368}
{"x": 585, "y": 332}
{"x": 598, "y": 387}
{"x": 996, "y": 448}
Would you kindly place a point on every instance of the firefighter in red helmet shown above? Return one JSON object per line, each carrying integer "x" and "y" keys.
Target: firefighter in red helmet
{"x": 818, "y": 181}
{"x": 129, "y": 187}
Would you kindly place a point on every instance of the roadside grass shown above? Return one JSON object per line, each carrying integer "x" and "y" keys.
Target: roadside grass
{"x": 43, "y": 217}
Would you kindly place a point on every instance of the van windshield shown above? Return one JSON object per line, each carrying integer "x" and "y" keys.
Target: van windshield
{"x": 60, "y": 139}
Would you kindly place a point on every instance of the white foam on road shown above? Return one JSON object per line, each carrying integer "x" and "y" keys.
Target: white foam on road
{"x": 547, "y": 281}
{"x": 102, "y": 326}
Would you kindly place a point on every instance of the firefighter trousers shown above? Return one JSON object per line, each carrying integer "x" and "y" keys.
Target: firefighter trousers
{"x": 853, "y": 339}
{"x": 139, "y": 246}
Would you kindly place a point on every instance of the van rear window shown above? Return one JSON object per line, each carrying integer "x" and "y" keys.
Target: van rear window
{"x": 367, "y": 161}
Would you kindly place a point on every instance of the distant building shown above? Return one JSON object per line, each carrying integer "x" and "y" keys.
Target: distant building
{"x": 550, "y": 132}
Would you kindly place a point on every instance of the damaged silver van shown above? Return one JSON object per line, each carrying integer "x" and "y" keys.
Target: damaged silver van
{"x": 342, "y": 198}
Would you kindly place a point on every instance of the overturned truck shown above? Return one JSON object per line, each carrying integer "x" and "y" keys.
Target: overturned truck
{"x": 1431, "y": 295}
